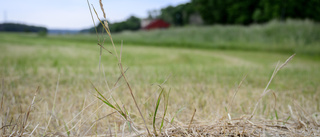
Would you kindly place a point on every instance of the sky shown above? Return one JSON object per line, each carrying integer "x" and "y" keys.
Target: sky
{"x": 75, "y": 14}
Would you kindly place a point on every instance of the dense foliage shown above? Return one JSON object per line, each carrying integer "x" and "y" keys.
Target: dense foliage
{"x": 178, "y": 15}
{"x": 241, "y": 12}
{"x": 250, "y": 11}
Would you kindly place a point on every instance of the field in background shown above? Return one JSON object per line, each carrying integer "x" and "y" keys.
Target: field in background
{"x": 203, "y": 77}
{"x": 291, "y": 36}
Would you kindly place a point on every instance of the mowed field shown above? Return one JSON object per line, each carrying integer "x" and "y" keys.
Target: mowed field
{"x": 204, "y": 78}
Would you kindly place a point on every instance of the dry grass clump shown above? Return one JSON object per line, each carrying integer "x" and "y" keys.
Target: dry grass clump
{"x": 245, "y": 128}
{"x": 17, "y": 126}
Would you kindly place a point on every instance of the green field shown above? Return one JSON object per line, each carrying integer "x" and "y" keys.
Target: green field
{"x": 202, "y": 68}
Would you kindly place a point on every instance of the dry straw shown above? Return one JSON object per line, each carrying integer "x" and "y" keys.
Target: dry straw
{"x": 243, "y": 126}
{"x": 299, "y": 122}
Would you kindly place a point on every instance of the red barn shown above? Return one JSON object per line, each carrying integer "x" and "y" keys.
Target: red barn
{"x": 156, "y": 24}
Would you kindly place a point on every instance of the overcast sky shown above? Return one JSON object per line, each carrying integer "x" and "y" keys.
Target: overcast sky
{"x": 74, "y": 14}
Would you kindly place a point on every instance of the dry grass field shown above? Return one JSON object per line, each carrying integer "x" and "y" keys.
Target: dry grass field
{"x": 205, "y": 80}
{"x": 49, "y": 88}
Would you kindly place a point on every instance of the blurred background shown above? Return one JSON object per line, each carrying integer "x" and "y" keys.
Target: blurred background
{"x": 289, "y": 26}
{"x": 73, "y": 16}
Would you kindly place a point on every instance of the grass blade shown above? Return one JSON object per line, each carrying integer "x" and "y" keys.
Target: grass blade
{"x": 194, "y": 112}
{"x": 271, "y": 78}
{"x": 276, "y": 114}
{"x": 166, "y": 98}
{"x": 286, "y": 120}
{"x": 134, "y": 99}
{"x": 155, "y": 113}
{"x": 171, "y": 121}
{"x": 106, "y": 27}
{"x": 66, "y": 128}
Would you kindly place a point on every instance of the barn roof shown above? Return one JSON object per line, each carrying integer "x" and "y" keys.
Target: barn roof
{"x": 156, "y": 24}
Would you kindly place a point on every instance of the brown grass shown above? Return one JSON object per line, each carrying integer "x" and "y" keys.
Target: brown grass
{"x": 61, "y": 110}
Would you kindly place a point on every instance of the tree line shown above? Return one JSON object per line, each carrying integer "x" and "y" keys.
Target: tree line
{"x": 255, "y": 11}
{"x": 14, "y": 27}
{"x": 242, "y": 12}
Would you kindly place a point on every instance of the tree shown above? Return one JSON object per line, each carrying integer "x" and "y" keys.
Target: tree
{"x": 178, "y": 15}
{"x": 241, "y": 12}
{"x": 249, "y": 11}
{"x": 212, "y": 11}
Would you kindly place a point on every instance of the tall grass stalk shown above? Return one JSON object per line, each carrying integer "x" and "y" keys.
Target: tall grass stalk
{"x": 117, "y": 108}
{"x": 265, "y": 91}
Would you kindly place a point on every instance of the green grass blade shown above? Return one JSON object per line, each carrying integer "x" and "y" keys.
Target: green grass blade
{"x": 119, "y": 109}
{"x": 108, "y": 103}
{"x": 171, "y": 121}
{"x": 166, "y": 98}
{"x": 286, "y": 120}
{"x": 98, "y": 91}
{"x": 103, "y": 99}
{"x": 275, "y": 112}
{"x": 155, "y": 113}
{"x": 66, "y": 128}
